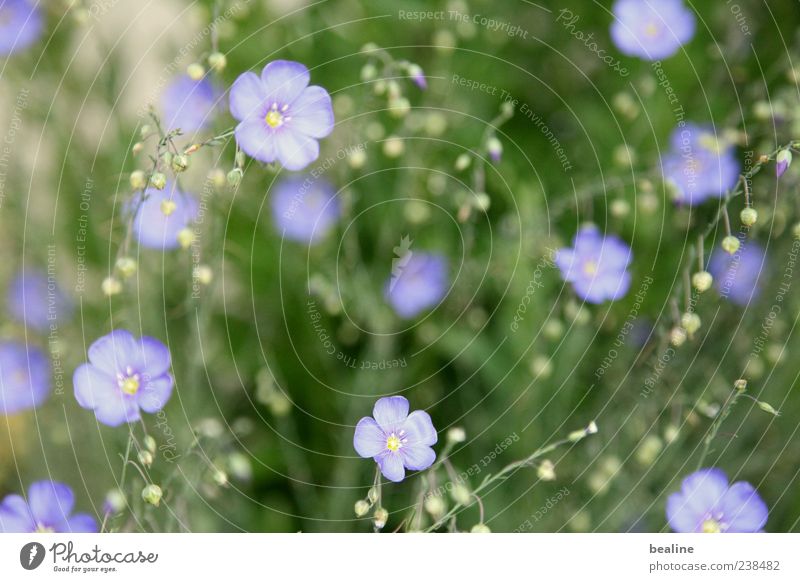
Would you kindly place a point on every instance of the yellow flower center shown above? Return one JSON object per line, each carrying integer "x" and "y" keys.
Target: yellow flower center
{"x": 130, "y": 385}
{"x": 274, "y": 118}
{"x": 167, "y": 207}
{"x": 711, "y": 526}
{"x": 590, "y": 267}
{"x": 393, "y": 443}
{"x": 651, "y": 29}
{"x": 41, "y": 528}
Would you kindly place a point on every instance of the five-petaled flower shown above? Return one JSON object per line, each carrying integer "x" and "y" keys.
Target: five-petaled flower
{"x": 123, "y": 376}
{"x": 280, "y": 116}
{"x": 651, "y": 29}
{"x": 24, "y": 377}
{"x": 48, "y": 509}
{"x": 21, "y": 25}
{"x": 707, "y": 504}
{"x": 596, "y": 265}
{"x": 418, "y": 282}
{"x": 739, "y": 277}
{"x": 395, "y": 439}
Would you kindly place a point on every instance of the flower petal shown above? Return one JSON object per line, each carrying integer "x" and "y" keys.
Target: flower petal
{"x": 681, "y": 517}
{"x": 417, "y": 457}
{"x": 247, "y": 97}
{"x": 295, "y": 150}
{"x": 369, "y": 440}
{"x": 15, "y": 515}
{"x": 91, "y": 384}
{"x": 50, "y": 503}
{"x": 155, "y": 357}
{"x": 82, "y": 523}
{"x": 312, "y": 112}
{"x": 284, "y": 81}
{"x": 390, "y": 412}
{"x": 154, "y": 395}
{"x": 743, "y": 509}
{"x": 703, "y": 489}
{"x": 391, "y": 465}
{"x": 257, "y": 140}
{"x": 117, "y": 410}
{"x": 419, "y": 429}
{"x": 113, "y": 352}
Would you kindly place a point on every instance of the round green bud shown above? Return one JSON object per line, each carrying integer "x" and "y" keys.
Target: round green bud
{"x": 195, "y": 71}
{"x": 138, "y": 180}
{"x": 748, "y": 216}
{"x": 702, "y": 281}
{"x": 152, "y": 494}
{"x": 361, "y": 508}
{"x": 158, "y": 180}
{"x": 730, "y": 244}
{"x": 480, "y": 528}
{"x": 180, "y": 163}
{"x": 217, "y": 61}
{"x": 690, "y": 322}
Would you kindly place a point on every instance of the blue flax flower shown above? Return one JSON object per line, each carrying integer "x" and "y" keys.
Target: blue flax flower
{"x": 304, "y": 208}
{"x": 651, "y": 29}
{"x": 395, "y": 439}
{"x": 21, "y": 25}
{"x": 24, "y": 377}
{"x": 188, "y": 105}
{"x": 48, "y": 509}
{"x": 37, "y": 302}
{"x": 418, "y": 282}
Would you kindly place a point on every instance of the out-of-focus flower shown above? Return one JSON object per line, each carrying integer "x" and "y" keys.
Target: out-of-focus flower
{"x": 596, "y": 265}
{"x": 189, "y": 105}
{"x": 281, "y": 117}
{"x": 21, "y": 25}
{"x": 304, "y": 208}
{"x": 37, "y": 302}
{"x": 417, "y": 283}
{"x": 162, "y": 215}
{"x": 738, "y": 277}
{"x": 395, "y": 439}
{"x": 24, "y": 377}
{"x": 701, "y": 165}
{"x": 123, "y": 376}
{"x": 47, "y": 510}
{"x": 418, "y": 76}
{"x": 707, "y": 504}
{"x": 651, "y": 29}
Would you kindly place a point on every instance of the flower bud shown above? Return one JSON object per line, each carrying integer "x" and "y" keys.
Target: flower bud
{"x": 185, "y": 237}
{"x": 620, "y": 208}
{"x": 507, "y": 108}
{"x": 357, "y": 158}
{"x": 137, "y": 148}
{"x": 114, "y": 501}
{"x": 369, "y": 72}
{"x": 456, "y": 435}
{"x": 748, "y": 216}
{"x": 690, "y": 322}
{"x": 203, "y": 274}
{"x": 152, "y": 494}
{"x": 393, "y": 147}
{"x": 179, "y": 163}
{"x": 168, "y": 207}
{"x": 462, "y": 162}
{"x": 195, "y": 71}
{"x": 145, "y": 130}
{"x": 220, "y": 477}
{"x": 495, "y": 148}
{"x": 730, "y": 244}
{"x": 546, "y": 470}
{"x": 217, "y": 61}
{"x": 138, "y": 180}
{"x": 702, "y": 281}
{"x": 127, "y": 267}
{"x": 768, "y": 408}
{"x": 372, "y": 495}
{"x": 111, "y": 286}
{"x": 480, "y": 528}
{"x": 149, "y": 443}
{"x": 796, "y": 231}
{"x": 217, "y": 177}
{"x": 399, "y": 106}
{"x": 481, "y": 201}
{"x": 380, "y": 517}
{"x": 158, "y": 180}
{"x": 417, "y": 75}
{"x": 435, "y": 506}
{"x": 460, "y": 494}
{"x": 677, "y": 336}
{"x": 361, "y": 508}
{"x": 240, "y": 466}
{"x": 235, "y": 177}
{"x": 783, "y": 161}
{"x": 740, "y": 384}
{"x": 146, "y": 458}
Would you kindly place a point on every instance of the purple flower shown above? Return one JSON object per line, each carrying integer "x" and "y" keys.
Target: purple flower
{"x": 706, "y": 504}
{"x": 281, "y": 117}
{"x": 418, "y": 281}
{"x": 20, "y": 25}
{"x": 782, "y": 162}
{"x": 701, "y": 164}
{"x": 35, "y": 301}
{"x": 24, "y": 377}
{"x": 305, "y": 209}
{"x": 395, "y": 439}
{"x": 651, "y": 29}
{"x": 188, "y": 105}
{"x": 124, "y": 375}
{"x": 738, "y": 277}
{"x": 418, "y": 76}
{"x": 596, "y": 265}
{"x": 162, "y": 215}
{"x": 47, "y": 510}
